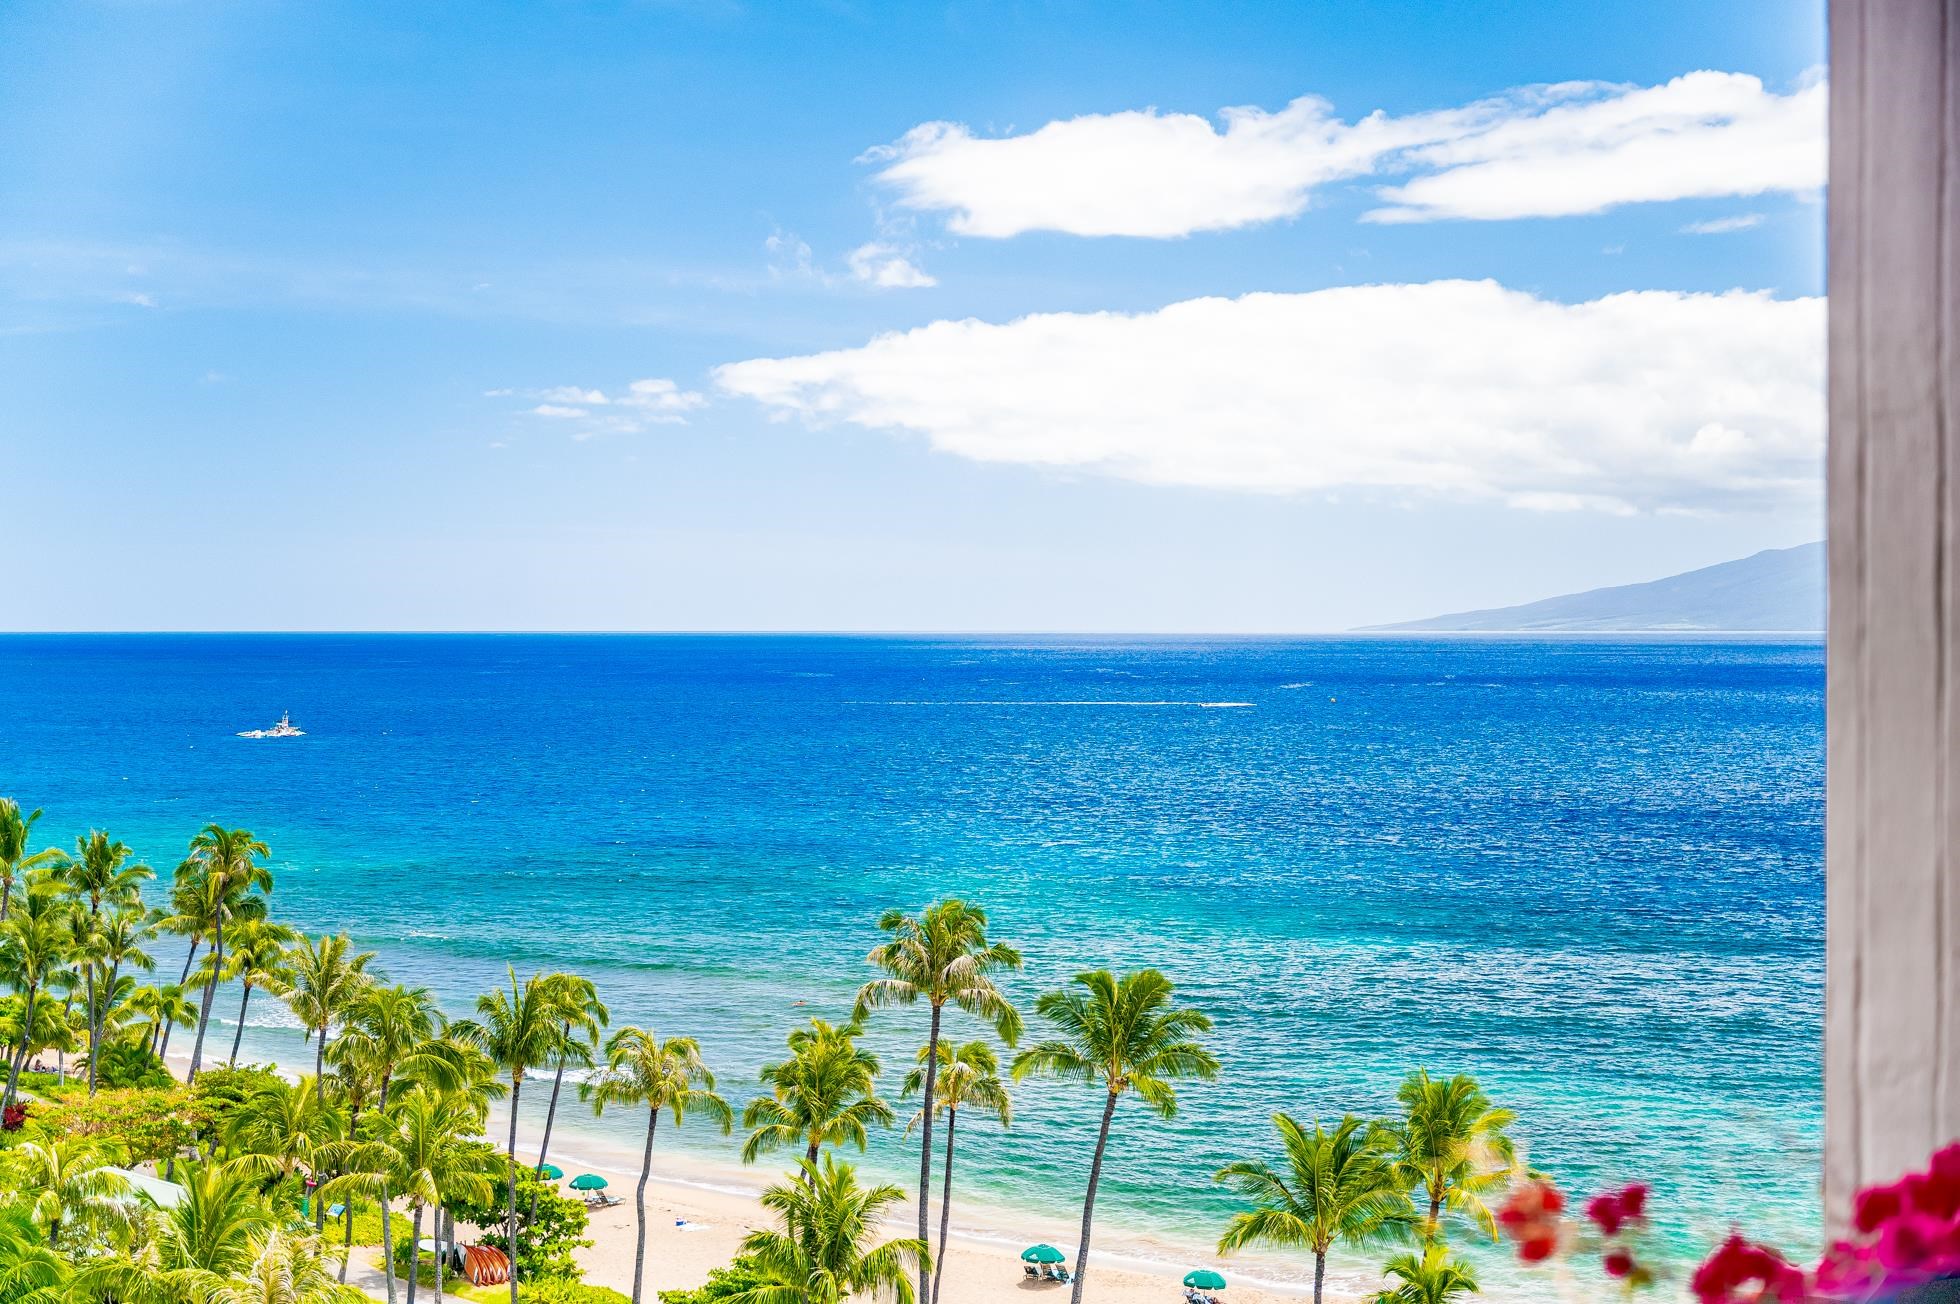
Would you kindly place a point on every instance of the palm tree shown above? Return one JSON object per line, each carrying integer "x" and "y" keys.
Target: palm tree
{"x": 210, "y": 1236}
{"x": 1431, "y": 1277}
{"x": 164, "y": 1009}
{"x": 323, "y": 983}
{"x": 16, "y": 830}
{"x": 1123, "y": 1035}
{"x": 968, "y": 1076}
{"x": 577, "y": 1035}
{"x": 287, "y": 1128}
{"x": 34, "y": 944}
{"x": 1451, "y": 1146}
{"x": 30, "y": 1272}
{"x": 285, "y": 1269}
{"x": 258, "y": 961}
{"x": 117, "y": 942}
{"x": 642, "y": 1070}
{"x": 434, "y": 1160}
{"x": 941, "y": 957}
{"x": 98, "y": 873}
{"x": 1338, "y": 1186}
{"x": 228, "y": 860}
{"x": 63, "y": 1179}
{"x": 824, "y": 1252}
{"x": 519, "y": 1028}
{"x": 825, "y": 1093}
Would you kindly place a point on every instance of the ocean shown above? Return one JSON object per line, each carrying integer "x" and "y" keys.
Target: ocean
{"x": 1588, "y": 871}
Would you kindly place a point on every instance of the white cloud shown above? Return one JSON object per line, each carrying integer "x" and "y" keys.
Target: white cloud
{"x": 1700, "y": 136}
{"x": 1538, "y": 151}
{"x": 137, "y": 299}
{"x": 655, "y": 401}
{"x": 887, "y": 267}
{"x": 1640, "y": 401}
{"x": 1724, "y": 225}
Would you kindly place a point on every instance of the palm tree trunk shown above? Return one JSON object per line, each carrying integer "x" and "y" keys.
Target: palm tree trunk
{"x": 387, "y": 1245}
{"x": 415, "y": 1252}
{"x": 210, "y": 990}
{"x": 239, "y": 1036}
{"x": 925, "y": 1150}
{"x": 320, "y": 1056}
{"x": 436, "y": 1235}
{"x": 640, "y": 1206}
{"x": 189, "y": 956}
{"x": 510, "y": 1223}
{"x": 89, "y": 966}
{"x": 1089, "y": 1200}
{"x": 550, "y": 1114}
{"x": 810, "y": 1162}
{"x": 945, "y": 1207}
{"x": 26, "y": 1035}
{"x": 1319, "y": 1273}
{"x": 1435, "y": 1223}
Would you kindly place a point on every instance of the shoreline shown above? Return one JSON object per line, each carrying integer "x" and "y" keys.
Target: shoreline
{"x": 719, "y": 1204}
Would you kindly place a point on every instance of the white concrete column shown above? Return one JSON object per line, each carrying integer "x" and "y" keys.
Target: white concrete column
{"x": 1892, "y": 1040}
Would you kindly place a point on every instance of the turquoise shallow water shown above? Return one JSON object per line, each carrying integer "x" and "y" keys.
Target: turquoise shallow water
{"x": 1588, "y": 871}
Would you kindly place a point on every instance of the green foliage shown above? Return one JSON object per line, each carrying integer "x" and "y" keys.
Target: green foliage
{"x": 367, "y": 1225}
{"x": 142, "y": 1124}
{"x": 547, "y": 1239}
{"x": 563, "y": 1290}
{"x": 218, "y": 1093}
{"x": 738, "y": 1278}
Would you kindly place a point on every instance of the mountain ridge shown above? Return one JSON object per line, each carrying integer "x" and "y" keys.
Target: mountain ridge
{"x": 1777, "y": 590}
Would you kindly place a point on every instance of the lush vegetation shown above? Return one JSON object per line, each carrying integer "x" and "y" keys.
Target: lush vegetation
{"x": 391, "y": 1122}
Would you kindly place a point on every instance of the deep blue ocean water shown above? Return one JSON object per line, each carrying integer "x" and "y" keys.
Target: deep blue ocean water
{"x": 1588, "y": 871}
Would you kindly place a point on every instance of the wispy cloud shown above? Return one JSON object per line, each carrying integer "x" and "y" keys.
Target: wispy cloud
{"x": 1544, "y": 151}
{"x": 655, "y": 401}
{"x": 1649, "y": 401}
{"x": 889, "y": 262}
{"x": 1724, "y": 225}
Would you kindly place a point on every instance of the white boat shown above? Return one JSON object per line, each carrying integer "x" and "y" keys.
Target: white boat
{"x": 284, "y": 729}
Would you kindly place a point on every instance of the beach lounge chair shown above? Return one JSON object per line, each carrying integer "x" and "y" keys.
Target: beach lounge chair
{"x": 1031, "y": 1271}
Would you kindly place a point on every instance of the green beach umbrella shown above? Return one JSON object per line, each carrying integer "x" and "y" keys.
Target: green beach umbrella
{"x": 1043, "y": 1254}
{"x": 588, "y": 1182}
{"x": 550, "y": 1171}
{"x": 1204, "y": 1279}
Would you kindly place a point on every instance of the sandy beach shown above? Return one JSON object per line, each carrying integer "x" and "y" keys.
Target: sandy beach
{"x": 698, "y": 1213}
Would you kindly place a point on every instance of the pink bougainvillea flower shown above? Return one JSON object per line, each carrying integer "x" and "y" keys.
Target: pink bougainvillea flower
{"x": 1741, "y": 1272}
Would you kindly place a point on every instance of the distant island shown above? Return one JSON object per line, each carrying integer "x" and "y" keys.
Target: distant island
{"x": 1778, "y": 589}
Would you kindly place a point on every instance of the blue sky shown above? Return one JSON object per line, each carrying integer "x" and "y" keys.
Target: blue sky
{"x": 329, "y": 316}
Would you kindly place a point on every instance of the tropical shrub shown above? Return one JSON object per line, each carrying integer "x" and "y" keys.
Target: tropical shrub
{"x": 125, "y": 1064}
{"x": 143, "y": 1125}
{"x": 563, "y": 1290}
{"x": 550, "y": 1226}
{"x": 738, "y": 1278}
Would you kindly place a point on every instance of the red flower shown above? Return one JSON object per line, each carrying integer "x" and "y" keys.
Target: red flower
{"x": 1739, "y": 1272}
{"x": 1618, "y": 1263}
{"x": 1876, "y": 1206}
{"x": 12, "y": 1117}
{"x": 1531, "y": 1218}
{"x": 1633, "y": 1201}
{"x": 1606, "y": 1213}
{"x": 1536, "y": 1249}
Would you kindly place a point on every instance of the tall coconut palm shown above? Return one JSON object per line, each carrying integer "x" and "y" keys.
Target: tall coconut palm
{"x": 642, "y": 1070}
{"x": 16, "y": 831}
{"x": 325, "y": 978}
{"x": 578, "y": 1035}
{"x": 969, "y": 1079}
{"x": 228, "y": 860}
{"x": 519, "y": 1028}
{"x": 257, "y": 963}
{"x": 1428, "y": 1277}
{"x": 63, "y": 1179}
{"x": 1123, "y": 1035}
{"x": 941, "y": 957}
{"x": 117, "y": 944}
{"x": 34, "y": 944}
{"x": 824, "y": 1094}
{"x": 98, "y": 874}
{"x": 1451, "y": 1147}
{"x": 1337, "y": 1187}
{"x": 165, "y": 1009}
{"x": 825, "y": 1249}
{"x": 30, "y": 1272}
{"x": 285, "y": 1269}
